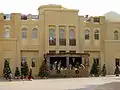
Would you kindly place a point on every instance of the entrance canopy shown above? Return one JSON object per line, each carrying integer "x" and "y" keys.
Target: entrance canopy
{"x": 82, "y": 57}
{"x": 66, "y": 54}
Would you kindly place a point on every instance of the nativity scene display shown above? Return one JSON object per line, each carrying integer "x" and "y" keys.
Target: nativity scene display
{"x": 61, "y": 63}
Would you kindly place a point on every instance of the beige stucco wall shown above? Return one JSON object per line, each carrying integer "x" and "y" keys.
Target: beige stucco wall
{"x": 56, "y": 15}
{"x": 8, "y": 50}
{"x": 112, "y": 51}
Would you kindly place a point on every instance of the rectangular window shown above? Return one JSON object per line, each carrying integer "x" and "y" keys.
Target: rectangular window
{"x": 24, "y": 17}
{"x": 72, "y": 51}
{"x": 52, "y": 51}
{"x": 87, "y": 37}
{"x": 52, "y": 38}
{"x": 24, "y": 35}
{"x": 7, "y": 16}
{"x": 35, "y": 17}
{"x": 96, "y": 19}
{"x": 34, "y": 35}
{"x": 62, "y": 42}
{"x": 6, "y": 34}
{"x": 72, "y": 42}
{"x": 96, "y": 36}
{"x": 52, "y": 41}
{"x": 62, "y": 51}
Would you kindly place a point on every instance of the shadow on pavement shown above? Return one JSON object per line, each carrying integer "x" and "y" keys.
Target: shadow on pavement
{"x": 88, "y": 87}
{"x": 107, "y": 86}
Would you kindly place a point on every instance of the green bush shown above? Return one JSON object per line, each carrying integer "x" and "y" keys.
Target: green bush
{"x": 94, "y": 70}
{"x": 103, "y": 72}
{"x": 17, "y": 72}
{"x": 43, "y": 71}
{"x": 6, "y": 70}
{"x": 24, "y": 70}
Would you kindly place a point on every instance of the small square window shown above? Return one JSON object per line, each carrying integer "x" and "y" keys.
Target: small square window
{"x": 97, "y": 20}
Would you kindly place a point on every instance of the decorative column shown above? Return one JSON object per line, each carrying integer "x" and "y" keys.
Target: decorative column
{"x": 86, "y": 61}
{"x": 48, "y": 62}
{"x": 67, "y": 61}
{"x": 83, "y": 61}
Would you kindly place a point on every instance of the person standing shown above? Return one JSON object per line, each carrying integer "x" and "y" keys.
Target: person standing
{"x": 30, "y": 77}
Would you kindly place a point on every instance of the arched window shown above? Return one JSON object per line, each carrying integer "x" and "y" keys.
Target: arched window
{"x": 72, "y": 39}
{"x": 24, "y": 33}
{"x": 62, "y": 39}
{"x": 71, "y": 34}
{"x": 87, "y": 34}
{"x": 96, "y": 34}
{"x": 52, "y": 39}
{"x": 34, "y": 33}
{"x": 61, "y": 33}
{"x": 7, "y": 32}
{"x": 116, "y": 36}
{"x": 51, "y": 34}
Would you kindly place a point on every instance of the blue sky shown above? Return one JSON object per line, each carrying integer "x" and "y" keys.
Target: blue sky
{"x": 90, "y": 7}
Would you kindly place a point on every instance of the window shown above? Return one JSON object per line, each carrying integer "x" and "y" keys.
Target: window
{"x": 33, "y": 62}
{"x": 34, "y": 33}
{"x": 87, "y": 34}
{"x": 96, "y": 19}
{"x": 23, "y": 60}
{"x": 61, "y": 33}
{"x": 72, "y": 40}
{"x": 116, "y": 35}
{"x": 62, "y": 40}
{"x": 52, "y": 51}
{"x": 71, "y": 34}
{"x": 96, "y": 34}
{"x": 6, "y": 32}
{"x": 24, "y": 17}
{"x": 24, "y": 33}
{"x": 72, "y": 51}
{"x": 35, "y": 17}
{"x": 52, "y": 39}
{"x": 7, "y": 16}
{"x": 62, "y": 51}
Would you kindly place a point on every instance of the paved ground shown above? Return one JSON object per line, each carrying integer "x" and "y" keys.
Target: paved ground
{"x": 64, "y": 84}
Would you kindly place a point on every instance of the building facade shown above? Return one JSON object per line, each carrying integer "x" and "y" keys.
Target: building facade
{"x": 57, "y": 30}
